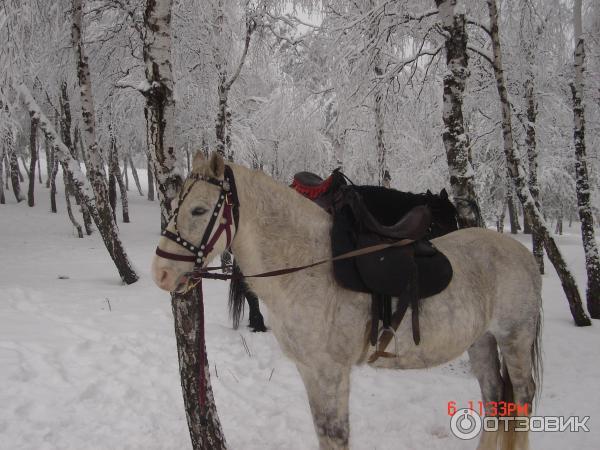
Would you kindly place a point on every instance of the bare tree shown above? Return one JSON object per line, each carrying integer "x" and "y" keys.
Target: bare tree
{"x": 223, "y": 120}
{"x": 203, "y": 421}
{"x": 384, "y": 178}
{"x": 65, "y": 132}
{"x": 33, "y": 158}
{"x": 2, "y": 198}
{"x": 69, "y": 188}
{"x": 136, "y": 178}
{"x": 455, "y": 138}
{"x": 95, "y": 166}
{"x": 582, "y": 182}
{"x": 518, "y": 176}
{"x": 13, "y": 164}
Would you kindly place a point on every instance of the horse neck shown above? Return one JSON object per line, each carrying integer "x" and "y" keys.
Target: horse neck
{"x": 278, "y": 227}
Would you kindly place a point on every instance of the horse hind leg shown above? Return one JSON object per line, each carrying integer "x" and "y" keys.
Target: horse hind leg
{"x": 520, "y": 363}
{"x": 485, "y": 365}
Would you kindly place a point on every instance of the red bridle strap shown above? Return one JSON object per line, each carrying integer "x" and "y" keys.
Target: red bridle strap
{"x": 175, "y": 256}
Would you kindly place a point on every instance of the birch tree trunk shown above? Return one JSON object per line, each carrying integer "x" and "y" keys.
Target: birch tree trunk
{"x": 2, "y": 199}
{"x": 223, "y": 120}
{"x": 69, "y": 188}
{"x": 6, "y": 170}
{"x": 53, "y": 172}
{"x": 33, "y": 158}
{"x": 95, "y": 168}
{"x": 532, "y": 154}
{"x": 65, "y": 132}
{"x": 513, "y": 213}
{"x": 455, "y": 138}
{"x": 582, "y": 182}
{"x": 383, "y": 178}
{"x": 48, "y": 162}
{"x": 118, "y": 177}
{"x": 125, "y": 173}
{"x": 136, "y": 178}
{"x": 160, "y": 104}
{"x": 150, "y": 172}
{"x": 14, "y": 166}
{"x": 518, "y": 175}
{"x": 203, "y": 421}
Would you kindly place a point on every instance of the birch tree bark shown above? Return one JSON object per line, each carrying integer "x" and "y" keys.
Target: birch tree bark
{"x": 14, "y": 165}
{"x": 33, "y": 158}
{"x": 383, "y": 176}
{"x": 115, "y": 171}
{"x": 65, "y": 132}
{"x": 223, "y": 120}
{"x": 513, "y": 213}
{"x": 203, "y": 421}
{"x": 150, "y": 173}
{"x": 518, "y": 175}
{"x": 582, "y": 182}
{"x": 53, "y": 172}
{"x": 532, "y": 158}
{"x": 136, "y": 178}
{"x": 95, "y": 165}
{"x": 2, "y": 198}
{"x": 68, "y": 188}
{"x": 455, "y": 138}
{"x": 160, "y": 104}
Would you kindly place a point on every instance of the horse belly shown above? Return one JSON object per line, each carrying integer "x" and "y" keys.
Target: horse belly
{"x": 448, "y": 327}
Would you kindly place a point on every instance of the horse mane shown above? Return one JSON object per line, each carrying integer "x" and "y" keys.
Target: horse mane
{"x": 379, "y": 199}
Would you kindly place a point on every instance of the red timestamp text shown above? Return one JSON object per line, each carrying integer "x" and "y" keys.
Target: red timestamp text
{"x": 493, "y": 409}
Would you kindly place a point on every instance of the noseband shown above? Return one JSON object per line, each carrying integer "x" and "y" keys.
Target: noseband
{"x": 228, "y": 201}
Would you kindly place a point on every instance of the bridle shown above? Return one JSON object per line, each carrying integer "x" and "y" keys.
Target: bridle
{"x": 227, "y": 201}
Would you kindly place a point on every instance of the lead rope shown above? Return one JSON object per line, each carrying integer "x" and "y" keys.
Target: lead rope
{"x": 200, "y": 338}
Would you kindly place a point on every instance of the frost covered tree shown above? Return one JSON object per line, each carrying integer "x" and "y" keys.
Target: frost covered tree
{"x": 95, "y": 163}
{"x": 518, "y": 176}
{"x": 592, "y": 258}
{"x": 203, "y": 420}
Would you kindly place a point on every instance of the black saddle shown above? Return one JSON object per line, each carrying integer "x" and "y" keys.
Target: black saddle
{"x": 409, "y": 273}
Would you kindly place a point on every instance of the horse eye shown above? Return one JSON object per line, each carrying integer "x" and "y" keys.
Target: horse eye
{"x": 198, "y": 211}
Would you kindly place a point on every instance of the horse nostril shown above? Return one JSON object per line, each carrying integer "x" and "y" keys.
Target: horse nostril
{"x": 163, "y": 276}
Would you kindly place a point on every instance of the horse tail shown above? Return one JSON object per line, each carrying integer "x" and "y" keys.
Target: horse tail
{"x": 237, "y": 291}
{"x": 537, "y": 363}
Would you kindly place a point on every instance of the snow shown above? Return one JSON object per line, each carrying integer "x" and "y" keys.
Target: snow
{"x": 89, "y": 363}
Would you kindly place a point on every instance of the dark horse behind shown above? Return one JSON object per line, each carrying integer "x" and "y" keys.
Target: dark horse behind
{"x": 389, "y": 205}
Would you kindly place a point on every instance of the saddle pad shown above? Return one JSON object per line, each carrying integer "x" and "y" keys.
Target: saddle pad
{"x": 389, "y": 271}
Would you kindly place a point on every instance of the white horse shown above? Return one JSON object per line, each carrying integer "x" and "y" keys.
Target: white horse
{"x": 492, "y": 306}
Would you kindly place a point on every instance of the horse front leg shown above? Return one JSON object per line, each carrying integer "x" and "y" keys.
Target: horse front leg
{"x": 328, "y": 389}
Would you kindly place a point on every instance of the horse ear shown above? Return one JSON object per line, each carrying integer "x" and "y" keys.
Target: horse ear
{"x": 198, "y": 158}
{"x": 444, "y": 194}
{"x": 428, "y": 192}
{"x": 216, "y": 165}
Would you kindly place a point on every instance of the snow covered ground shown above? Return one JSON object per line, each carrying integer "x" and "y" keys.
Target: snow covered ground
{"x": 88, "y": 363}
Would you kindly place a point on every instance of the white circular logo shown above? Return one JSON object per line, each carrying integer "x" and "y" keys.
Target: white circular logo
{"x": 465, "y": 424}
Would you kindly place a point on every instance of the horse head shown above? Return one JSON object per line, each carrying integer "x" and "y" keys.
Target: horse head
{"x": 201, "y": 227}
{"x": 444, "y": 214}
